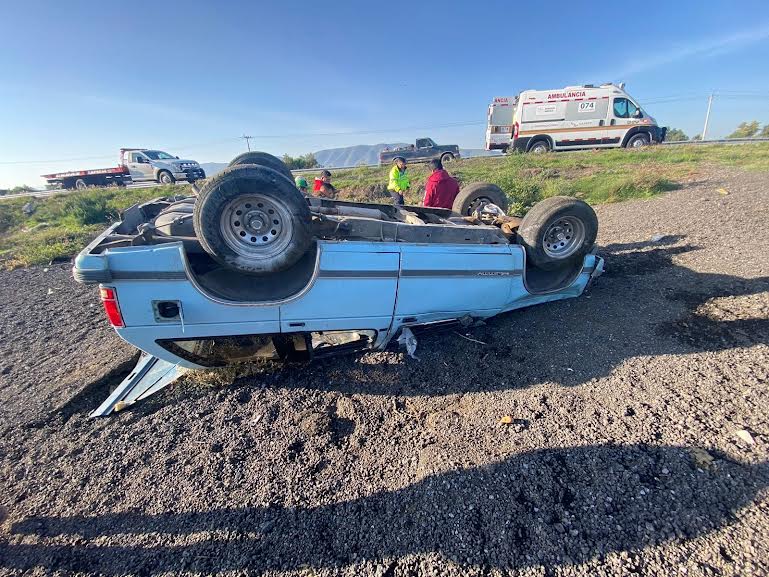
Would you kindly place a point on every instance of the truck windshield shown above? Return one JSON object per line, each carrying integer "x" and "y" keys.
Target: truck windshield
{"x": 158, "y": 155}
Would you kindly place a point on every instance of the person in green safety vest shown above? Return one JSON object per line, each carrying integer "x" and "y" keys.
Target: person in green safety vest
{"x": 301, "y": 184}
{"x": 399, "y": 180}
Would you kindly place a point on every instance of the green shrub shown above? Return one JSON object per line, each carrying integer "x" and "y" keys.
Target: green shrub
{"x": 89, "y": 210}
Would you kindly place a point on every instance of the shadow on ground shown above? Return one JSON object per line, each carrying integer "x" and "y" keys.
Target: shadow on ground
{"x": 644, "y": 305}
{"x": 550, "y": 507}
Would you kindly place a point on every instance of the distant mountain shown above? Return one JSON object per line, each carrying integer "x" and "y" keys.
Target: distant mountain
{"x": 369, "y": 154}
{"x": 353, "y": 156}
{"x": 211, "y": 168}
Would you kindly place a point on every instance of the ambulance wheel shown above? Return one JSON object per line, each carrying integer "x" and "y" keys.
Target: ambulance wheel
{"x": 638, "y": 140}
{"x": 558, "y": 231}
{"x": 263, "y": 159}
{"x": 540, "y": 146}
{"x": 252, "y": 219}
{"x": 474, "y": 196}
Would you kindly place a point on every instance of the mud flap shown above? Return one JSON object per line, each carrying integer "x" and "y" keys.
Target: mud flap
{"x": 148, "y": 376}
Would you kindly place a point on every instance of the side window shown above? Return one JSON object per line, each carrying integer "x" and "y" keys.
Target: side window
{"x": 621, "y": 107}
{"x": 632, "y": 110}
{"x": 423, "y": 143}
{"x": 134, "y": 157}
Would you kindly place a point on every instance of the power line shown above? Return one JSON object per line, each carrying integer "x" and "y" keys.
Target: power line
{"x": 682, "y": 97}
{"x": 263, "y": 136}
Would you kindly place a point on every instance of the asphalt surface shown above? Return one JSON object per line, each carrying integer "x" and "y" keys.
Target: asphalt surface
{"x": 637, "y": 441}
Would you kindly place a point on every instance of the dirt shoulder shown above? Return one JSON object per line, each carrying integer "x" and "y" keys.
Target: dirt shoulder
{"x": 622, "y": 455}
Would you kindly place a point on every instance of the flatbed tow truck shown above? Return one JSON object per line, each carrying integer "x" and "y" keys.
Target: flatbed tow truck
{"x": 135, "y": 165}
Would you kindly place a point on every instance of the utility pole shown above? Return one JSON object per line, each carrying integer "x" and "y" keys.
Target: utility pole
{"x": 707, "y": 116}
{"x": 248, "y": 139}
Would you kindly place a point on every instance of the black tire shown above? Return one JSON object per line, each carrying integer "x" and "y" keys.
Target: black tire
{"x": 446, "y": 157}
{"x": 263, "y": 159}
{"x": 558, "y": 231}
{"x": 638, "y": 140}
{"x": 165, "y": 177}
{"x": 261, "y": 190}
{"x": 473, "y": 196}
{"x": 80, "y": 184}
{"x": 540, "y": 146}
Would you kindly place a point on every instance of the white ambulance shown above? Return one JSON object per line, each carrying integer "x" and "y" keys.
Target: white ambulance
{"x": 585, "y": 116}
{"x": 499, "y": 128}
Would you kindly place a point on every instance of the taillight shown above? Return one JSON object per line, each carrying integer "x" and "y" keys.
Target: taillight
{"x": 109, "y": 299}
{"x": 515, "y": 130}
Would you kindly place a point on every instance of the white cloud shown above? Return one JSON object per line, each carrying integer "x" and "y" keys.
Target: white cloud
{"x": 692, "y": 49}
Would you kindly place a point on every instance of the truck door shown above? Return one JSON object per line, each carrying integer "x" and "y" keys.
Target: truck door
{"x": 354, "y": 289}
{"x": 440, "y": 282}
{"x": 621, "y": 111}
{"x": 139, "y": 166}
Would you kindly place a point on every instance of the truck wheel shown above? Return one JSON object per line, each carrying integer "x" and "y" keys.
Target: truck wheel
{"x": 558, "y": 231}
{"x": 474, "y": 196}
{"x": 263, "y": 159}
{"x": 165, "y": 177}
{"x": 80, "y": 184}
{"x": 540, "y": 146}
{"x": 252, "y": 219}
{"x": 638, "y": 140}
{"x": 446, "y": 157}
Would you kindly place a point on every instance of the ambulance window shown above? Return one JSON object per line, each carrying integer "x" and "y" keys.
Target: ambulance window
{"x": 621, "y": 107}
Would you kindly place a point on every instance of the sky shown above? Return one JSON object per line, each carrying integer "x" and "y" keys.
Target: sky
{"x": 81, "y": 79}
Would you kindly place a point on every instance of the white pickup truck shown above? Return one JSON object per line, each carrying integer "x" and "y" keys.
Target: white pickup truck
{"x": 155, "y": 165}
{"x": 136, "y": 165}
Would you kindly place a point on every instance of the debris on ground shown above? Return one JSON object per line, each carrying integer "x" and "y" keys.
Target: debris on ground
{"x": 745, "y": 436}
{"x": 702, "y": 459}
{"x": 409, "y": 341}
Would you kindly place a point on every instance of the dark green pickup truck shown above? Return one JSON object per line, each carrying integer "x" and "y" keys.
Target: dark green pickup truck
{"x": 424, "y": 151}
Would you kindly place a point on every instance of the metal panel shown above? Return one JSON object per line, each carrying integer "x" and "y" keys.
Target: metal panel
{"x": 444, "y": 279}
{"x": 149, "y": 376}
{"x": 354, "y": 289}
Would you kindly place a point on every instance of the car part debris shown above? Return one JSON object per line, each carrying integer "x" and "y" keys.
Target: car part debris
{"x": 409, "y": 341}
{"x": 148, "y": 376}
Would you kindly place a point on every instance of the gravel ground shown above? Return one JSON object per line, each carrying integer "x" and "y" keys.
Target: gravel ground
{"x": 622, "y": 455}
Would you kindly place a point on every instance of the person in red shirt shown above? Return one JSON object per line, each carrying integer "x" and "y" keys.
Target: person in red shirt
{"x": 325, "y": 177}
{"x": 441, "y": 188}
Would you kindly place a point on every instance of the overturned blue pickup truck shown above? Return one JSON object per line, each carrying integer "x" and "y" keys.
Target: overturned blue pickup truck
{"x": 251, "y": 269}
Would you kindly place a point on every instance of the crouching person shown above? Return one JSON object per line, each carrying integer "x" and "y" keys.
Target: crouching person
{"x": 441, "y": 188}
{"x": 399, "y": 181}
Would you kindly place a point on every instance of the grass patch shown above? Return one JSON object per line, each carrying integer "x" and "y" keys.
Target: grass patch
{"x": 61, "y": 225}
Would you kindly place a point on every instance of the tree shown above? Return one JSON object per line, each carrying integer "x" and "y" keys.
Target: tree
{"x": 675, "y": 135}
{"x": 305, "y": 161}
{"x": 764, "y": 131}
{"x": 22, "y": 188}
{"x": 745, "y": 130}
{"x": 697, "y": 137}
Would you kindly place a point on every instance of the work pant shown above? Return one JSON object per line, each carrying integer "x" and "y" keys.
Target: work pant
{"x": 397, "y": 197}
